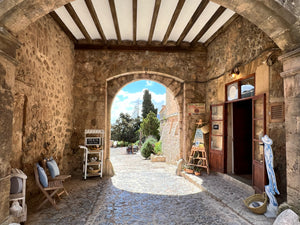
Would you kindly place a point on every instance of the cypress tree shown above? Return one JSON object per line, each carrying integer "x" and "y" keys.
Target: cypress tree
{"x": 147, "y": 104}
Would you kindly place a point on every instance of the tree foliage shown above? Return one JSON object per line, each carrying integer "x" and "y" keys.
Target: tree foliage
{"x": 147, "y": 104}
{"x": 157, "y": 148}
{"x": 126, "y": 128}
{"x": 150, "y": 126}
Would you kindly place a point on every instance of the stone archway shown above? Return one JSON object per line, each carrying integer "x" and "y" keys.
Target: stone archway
{"x": 279, "y": 20}
{"x": 276, "y": 18}
{"x": 115, "y": 83}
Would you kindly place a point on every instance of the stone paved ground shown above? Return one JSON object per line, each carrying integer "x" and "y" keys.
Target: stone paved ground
{"x": 141, "y": 192}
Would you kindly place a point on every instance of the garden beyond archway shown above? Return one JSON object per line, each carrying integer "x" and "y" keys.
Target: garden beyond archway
{"x": 115, "y": 83}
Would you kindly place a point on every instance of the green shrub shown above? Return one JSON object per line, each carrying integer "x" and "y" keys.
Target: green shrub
{"x": 157, "y": 148}
{"x": 148, "y": 147}
{"x": 121, "y": 143}
{"x": 151, "y": 139}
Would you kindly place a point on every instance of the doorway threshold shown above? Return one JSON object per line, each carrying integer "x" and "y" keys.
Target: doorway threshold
{"x": 240, "y": 181}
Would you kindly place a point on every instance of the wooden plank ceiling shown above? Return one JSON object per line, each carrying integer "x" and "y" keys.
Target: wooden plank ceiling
{"x": 142, "y": 24}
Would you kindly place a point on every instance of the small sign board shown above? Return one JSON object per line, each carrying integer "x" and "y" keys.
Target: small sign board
{"x": 216, "y": 126}
{"x": 92, "y": 141}
{"x": 196, "y": 108}
{"x": 198, "y": 137}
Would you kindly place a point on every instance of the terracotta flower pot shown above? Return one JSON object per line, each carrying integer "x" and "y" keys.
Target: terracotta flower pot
{"x": 189, "y": 171}
{"x": 197, "y": 173}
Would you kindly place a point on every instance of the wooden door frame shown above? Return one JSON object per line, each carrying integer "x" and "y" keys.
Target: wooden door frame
{"x": 224, "y": 141}
{"x": 262, "y": 166}
{"x": 255, "y": 162}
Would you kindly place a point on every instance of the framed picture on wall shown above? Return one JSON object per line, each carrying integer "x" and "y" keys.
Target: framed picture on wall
{"x": 232, "y": 91}
{"x": 241, "y": 88}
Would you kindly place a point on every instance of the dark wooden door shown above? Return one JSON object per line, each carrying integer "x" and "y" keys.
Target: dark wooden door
{"x": 242, "y": 136}
{"x": 217, "y": 154}
{"x": 258, "y": 130}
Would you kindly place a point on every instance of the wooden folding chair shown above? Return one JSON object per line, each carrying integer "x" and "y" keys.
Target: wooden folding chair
{"x": 61, "y": 177}
{"x": 53, "y": 188}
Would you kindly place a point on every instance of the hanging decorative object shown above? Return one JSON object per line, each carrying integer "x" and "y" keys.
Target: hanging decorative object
{"x": 271, "y": 188}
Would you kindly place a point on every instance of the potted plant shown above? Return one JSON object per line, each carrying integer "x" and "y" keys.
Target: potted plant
{"x": 189, "y": 169}
{"x": 197, "y": 171}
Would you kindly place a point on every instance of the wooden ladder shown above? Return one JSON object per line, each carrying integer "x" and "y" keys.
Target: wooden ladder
{"x": 198, "y": 158}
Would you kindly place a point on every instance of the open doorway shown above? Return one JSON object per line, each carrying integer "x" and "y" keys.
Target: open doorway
{"x": 240, "y": 151}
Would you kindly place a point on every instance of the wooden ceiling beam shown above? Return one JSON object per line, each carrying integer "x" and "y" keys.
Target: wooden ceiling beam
{"x": 140, "y": 46}
{"x": 192, "y": 21}
{"x": 134, "y": 19}
{"x": 211, "y": 21}
{"x": 154, "y": 19}
{"x": 173, "y": 21}
{"x": 78, "y": 22}
{"x": 115, "y": 19}
{"x": 94, "y": 16}
{"x": 63, "y": 26}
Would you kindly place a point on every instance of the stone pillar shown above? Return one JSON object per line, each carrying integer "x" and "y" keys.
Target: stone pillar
{"x": 291, "y": 76}
{"x": 108, "y": 167}
{"x": 186, "y": 140}
{"x": 8, "y": 46}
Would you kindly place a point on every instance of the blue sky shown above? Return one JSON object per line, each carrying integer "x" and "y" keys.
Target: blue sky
{"x": 127, "y": 98}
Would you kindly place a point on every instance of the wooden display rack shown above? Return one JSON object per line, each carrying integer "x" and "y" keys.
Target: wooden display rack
{"x": 198, "y": 156}
{"x": 93, "y": 149}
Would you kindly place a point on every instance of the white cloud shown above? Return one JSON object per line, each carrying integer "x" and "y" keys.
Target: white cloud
{"x": 125, "y": 102}
{"x": 149, "y": 83}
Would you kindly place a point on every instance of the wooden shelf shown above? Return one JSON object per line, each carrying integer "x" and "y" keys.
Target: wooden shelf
{"x": 94, "y": 151}
{"x": 93, "y": 163}
{"x": 201, "y": 155}
{"x": 93, "y": 174}
{"x": 16, "y": 196}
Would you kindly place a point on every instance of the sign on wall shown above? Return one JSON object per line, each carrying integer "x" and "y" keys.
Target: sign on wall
{"x": 196, "y": 108}
{"x": 92, "y": 141}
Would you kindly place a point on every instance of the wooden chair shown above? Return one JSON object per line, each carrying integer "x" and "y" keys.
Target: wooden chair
{"x": 54, "y": 186}
{"x": 61, "y": 177}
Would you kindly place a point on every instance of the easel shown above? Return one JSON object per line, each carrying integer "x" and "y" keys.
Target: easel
{"x": 198, "y": 156}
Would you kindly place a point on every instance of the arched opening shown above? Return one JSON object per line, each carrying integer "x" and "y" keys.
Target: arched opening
{"x": 275, "y": 19}
{"x": 116, "y": 83}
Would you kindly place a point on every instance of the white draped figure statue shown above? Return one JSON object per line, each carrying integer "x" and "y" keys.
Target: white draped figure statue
{"x": 271, "y": 188}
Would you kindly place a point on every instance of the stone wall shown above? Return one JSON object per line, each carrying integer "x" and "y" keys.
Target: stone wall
{"x": 170, "y": 136}
{"x": 171, "y": 104}
{"x": 94, "y": 67}
{"x": 42, "y": 123}
{"x": 193, "y": 93}
{"x": 7, "y": 73}
{"x": 277, "y": 130}
{"x": 245, "y": 44}
{"x": 291, "y": 76}
{"x": 240, "y": 43}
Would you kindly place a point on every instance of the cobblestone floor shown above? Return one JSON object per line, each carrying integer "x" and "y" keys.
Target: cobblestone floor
{"x": 141, "y": 192}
